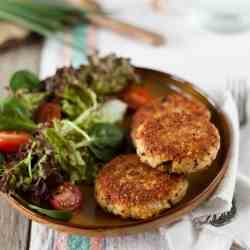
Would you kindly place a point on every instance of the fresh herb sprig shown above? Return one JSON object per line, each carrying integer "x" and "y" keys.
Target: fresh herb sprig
{"x": 43, "y": 17}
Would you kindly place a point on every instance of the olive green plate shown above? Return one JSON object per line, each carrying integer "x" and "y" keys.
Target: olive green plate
{"x": 92, "y": 221}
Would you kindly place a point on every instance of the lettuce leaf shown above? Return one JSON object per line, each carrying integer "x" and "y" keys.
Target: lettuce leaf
{"x": 106, "y": 75}
{"x": 32, "y": 100}
{"x": 76, "y": 161}
{"x": 75, "y": 100}
{"x": 24, "y": 79}
{"x": 112, "y": 111}
{"x": 15, "y": 116}
{"x": 105, "y": 140}
{"x": 81, "y": 152}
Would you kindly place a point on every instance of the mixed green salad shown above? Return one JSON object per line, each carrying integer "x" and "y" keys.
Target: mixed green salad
{"x": 57, "y": 133}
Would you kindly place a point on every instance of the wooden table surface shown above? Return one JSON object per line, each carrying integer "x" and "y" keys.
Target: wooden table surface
{"x": 15, "y": 229}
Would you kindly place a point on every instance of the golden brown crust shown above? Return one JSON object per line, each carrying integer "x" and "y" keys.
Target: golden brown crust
{"x": 177, "y": 137}
{"x": 171, "y": 103}
{"x": 127, "y": 180}
{"x": 130, "y": 188}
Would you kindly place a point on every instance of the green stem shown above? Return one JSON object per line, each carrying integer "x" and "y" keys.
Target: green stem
{"x": 33, "y": 17}
{"x": 76, "y": 128}
{"x": 38, "y": 29}
{"x": 80, "y": 119}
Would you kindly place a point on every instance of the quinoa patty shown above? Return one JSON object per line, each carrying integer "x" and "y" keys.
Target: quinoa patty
{"x": 182, "y": 142}
{"x": 129, "y": 188}
{"x": 171, "y": 103}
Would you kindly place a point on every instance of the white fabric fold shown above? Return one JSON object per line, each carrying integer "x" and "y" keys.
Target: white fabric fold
{"x": 221, "y": 200}
{"x": 184, "y": 236}
{"x": 210, "y": 238}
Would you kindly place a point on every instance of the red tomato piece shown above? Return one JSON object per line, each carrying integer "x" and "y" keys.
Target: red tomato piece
{"x": 67, "y": 197}
{"x": 48, "y": 112}
{"x": 136, "y": 96}
{"x": 11, "y": 141}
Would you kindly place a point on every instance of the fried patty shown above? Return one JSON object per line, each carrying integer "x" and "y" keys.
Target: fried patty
{"x": 129, "y": 188}
{"x": 171, "y": 103}
{"x": 181, "y": 142}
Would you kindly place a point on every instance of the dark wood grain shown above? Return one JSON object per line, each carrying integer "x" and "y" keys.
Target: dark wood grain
{"x": 14, "y": 233}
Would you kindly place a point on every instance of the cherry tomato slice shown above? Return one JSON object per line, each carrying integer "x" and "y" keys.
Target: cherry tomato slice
{"x": 48, "y": 112}
{"x": 136, "y": 96}
{"x": 66, "y": 197}
{"x": 11, "y": 141}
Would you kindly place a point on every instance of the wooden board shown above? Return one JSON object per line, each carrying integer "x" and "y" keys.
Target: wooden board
{"x": 14, "y": 233}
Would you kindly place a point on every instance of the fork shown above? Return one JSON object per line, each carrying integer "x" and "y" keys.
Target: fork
{"x": 239, "y": 91}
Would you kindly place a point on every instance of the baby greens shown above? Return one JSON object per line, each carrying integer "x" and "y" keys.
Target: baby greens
{"x": 25, "y": 86}
{"x": 24, "y": 79}
{"x": 76, "y": 99}
{"x": 31, "y": 100}
{"x": 54, "y": 214}
{"x": 72, "y": 159}
{"x": 71, "y": 147}
{"x": 1, "y": 164}
{"x": 15, "y": 116}
{"x": 79, "y": 151}
{"x": 105, "y": 140}
{"x": 105, "y": 76}
{"x": 24, "y": 169}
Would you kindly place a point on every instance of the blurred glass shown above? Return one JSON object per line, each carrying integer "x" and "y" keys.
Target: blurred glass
{"x": 223, "y": 15}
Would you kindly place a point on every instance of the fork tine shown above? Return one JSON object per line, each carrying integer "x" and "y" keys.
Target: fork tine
{"x": 241, "y": 104}
{"x": 238, "y": 89}
{"x": 240, "y": 101}
{"x": 245, "y": 102}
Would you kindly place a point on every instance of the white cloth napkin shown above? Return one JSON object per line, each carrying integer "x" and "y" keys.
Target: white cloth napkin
{"x": 221, "y": 200}
{"x": 183, "y": 236}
